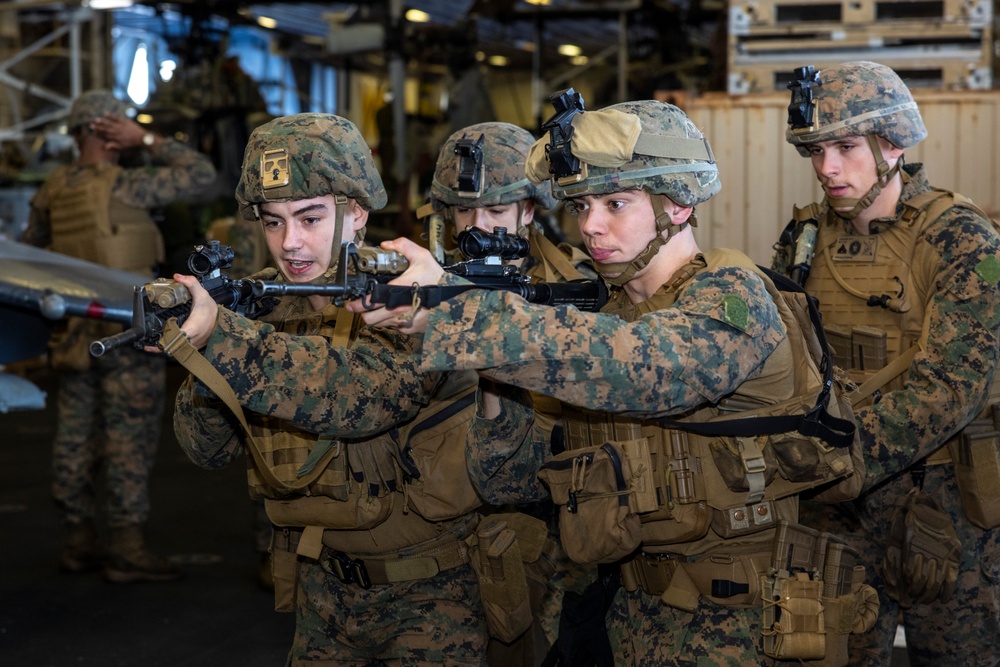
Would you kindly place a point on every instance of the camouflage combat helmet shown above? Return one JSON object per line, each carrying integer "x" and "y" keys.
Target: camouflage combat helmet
{"x": 483, "y": 165}
{"x": 862, "y": 99}
{"x": 92, "y": 105}
{"x": 649, "y": 145}
{"x": 857, "y": 99}
{"x": 305, "y": 156}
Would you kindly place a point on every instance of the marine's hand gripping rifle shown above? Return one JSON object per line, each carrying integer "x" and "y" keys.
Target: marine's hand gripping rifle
{"x": 156, "y": 302}
{"x": 363, "y": 273}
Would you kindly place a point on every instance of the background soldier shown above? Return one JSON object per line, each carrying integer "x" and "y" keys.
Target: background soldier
{"x": 110, "y": 408}
{"x": 360, "y": 458}
{"x": 479, "y": 181}
{"x": 684, "y": 333}
{"x": 907, "y": 279}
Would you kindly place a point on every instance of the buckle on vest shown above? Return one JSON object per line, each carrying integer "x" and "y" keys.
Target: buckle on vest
{"x": 348, "y": 570}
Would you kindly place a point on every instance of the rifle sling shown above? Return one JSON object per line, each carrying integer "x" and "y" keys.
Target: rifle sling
{"x": 178, "y": 346}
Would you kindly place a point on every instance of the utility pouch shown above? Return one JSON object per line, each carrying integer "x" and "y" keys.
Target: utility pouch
{"x": 921, "y": 561}
{"x": 597, "y": 524}
{"x": 502, "y": 582}
{"x": 432, "y": 454}
{"x": 284, "y": 568}
{"x": 793, "y": 622}
{"x": 976, "y": 457}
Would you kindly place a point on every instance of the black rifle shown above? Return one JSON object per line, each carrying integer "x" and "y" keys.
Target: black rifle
{"x": 156, "y": 302}
{"x": 363, "y": 273}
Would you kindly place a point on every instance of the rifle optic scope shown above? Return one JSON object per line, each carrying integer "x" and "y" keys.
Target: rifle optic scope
{"x": 475, "y": 243}
{"x": 207, "y": 258}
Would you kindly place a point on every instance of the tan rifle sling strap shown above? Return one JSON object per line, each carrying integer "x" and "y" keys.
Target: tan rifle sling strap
{"x": 179, "y": 347}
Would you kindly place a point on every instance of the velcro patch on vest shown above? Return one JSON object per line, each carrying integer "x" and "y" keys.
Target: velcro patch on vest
{"x": 736, "y": 312}
{"x": 988, "y": 270}
{"x": 855, "y": 249}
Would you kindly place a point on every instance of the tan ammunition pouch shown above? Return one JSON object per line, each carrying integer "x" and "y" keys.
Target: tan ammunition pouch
{"x": 814, "y": 596}
{"x": 431, "y": 450}
{"x": 88, "y": 223}
{"x": 504, "y": 543}
{"x": 976, "y": 455}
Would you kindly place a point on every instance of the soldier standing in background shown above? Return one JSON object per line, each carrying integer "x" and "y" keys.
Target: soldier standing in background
{"x": 109, "y": 409}
{"x": 908, "y": 282}
{"x": 479, "y": 181}
{"x": 359, "y": 457}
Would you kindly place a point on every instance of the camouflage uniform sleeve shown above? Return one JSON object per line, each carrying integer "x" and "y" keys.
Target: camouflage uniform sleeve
{"x": 949, "y": 379}
{"x": 717, "y": 335}
{"x": 322, "y": 388}
{"x": 178, "y": 171}
{"x": 505, "y": 453}
{"x": 205, "y": 428}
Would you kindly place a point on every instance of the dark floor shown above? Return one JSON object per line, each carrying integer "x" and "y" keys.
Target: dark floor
{"x": 216, "y": 616}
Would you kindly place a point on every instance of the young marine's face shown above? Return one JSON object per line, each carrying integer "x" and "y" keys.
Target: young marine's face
{"x": 616, "y": 227}
{"x": 299, "y": 234}
{"x": 488, "y": 218}
{"x": 846, "y": 167}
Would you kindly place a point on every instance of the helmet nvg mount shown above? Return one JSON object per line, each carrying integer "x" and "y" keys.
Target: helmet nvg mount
{"x": 858, "y": 98}
{"x": 648, "y": 144}
{"x": 483, "y": 165}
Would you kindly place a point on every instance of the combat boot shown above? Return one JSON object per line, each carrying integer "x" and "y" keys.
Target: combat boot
{"x": 129, "y": 561}
{"x": 83, "y": 552}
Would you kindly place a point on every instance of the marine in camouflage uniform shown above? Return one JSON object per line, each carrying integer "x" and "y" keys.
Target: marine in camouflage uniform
{"x": 479, "y": 181}
{"x": 110, "y": 408}
{"x": 928, "y": 279}
{"x": 682, "y": 331}
{"x": 370, "y": 547}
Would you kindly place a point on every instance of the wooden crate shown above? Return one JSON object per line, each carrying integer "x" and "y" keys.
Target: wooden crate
{"x": 945, "y": 70}
{"x": 834, "y": 36}
{"x": 747, "y": 15}
{"x": 763, "y": 176}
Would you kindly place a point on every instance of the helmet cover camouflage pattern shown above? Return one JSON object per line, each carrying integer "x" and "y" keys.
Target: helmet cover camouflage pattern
{"x": 92, "y": 105}
{"x": 861, "y": 98}
{"x": 505, "y": 148}
{"x": 304, "y": 156}
{"x": 656, "y": 175}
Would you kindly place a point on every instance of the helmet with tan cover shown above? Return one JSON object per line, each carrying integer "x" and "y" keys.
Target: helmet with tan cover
{"x": 646, "y": 145}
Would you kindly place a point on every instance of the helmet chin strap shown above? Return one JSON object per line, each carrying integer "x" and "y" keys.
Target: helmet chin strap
{"x": 627, "y": 270}
{"x": 885, "y": 174}
{"x": 340, "y": 208}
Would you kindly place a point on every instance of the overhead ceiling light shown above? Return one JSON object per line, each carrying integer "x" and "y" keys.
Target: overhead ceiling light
{"x": 497, "y": 61}
{"x": 267, "y": 22}
{"x": 417, "y": 16}
{"x": 570, "y": 50}
{"x": 108, "y": 4}
{"x": 539, "y": 2}
{"x": 144, "y": 118}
